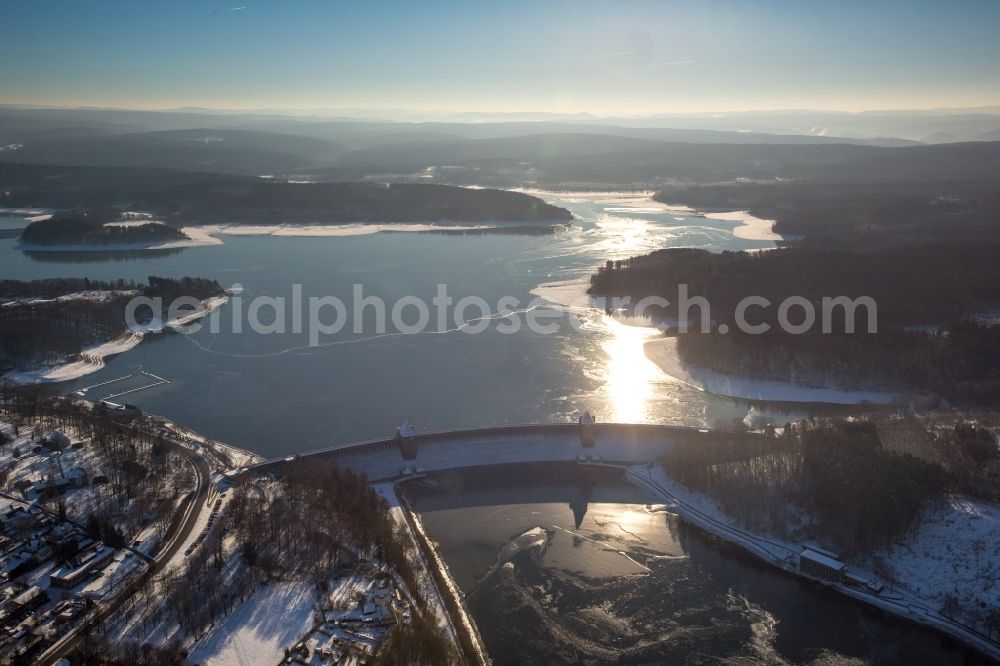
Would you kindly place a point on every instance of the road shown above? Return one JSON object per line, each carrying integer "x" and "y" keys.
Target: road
{"x": 180, "y": 531}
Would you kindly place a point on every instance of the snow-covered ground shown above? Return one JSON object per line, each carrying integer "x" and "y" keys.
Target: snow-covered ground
{"x": 96, "y": 296}
{"x": 207, "y": 235}
{"x": 663, "y": 352}
{"x": 566, "y": 293}
{"x": 428, "y": 589}
{"x": 91, "y": 359}
{"x": 330, "y": 230}
{"x": 29, "y": 214}
{"x": 81, "y": 463}
{"x": 206, "y": 520}
{"x": 259, "y": 629}
{"x": 956, "y": 552}
{"x": 705, "y": 512}
{"x": 940, "y": 560}
{"x": 32, "y": 467}
{"x": 752, "y": 228}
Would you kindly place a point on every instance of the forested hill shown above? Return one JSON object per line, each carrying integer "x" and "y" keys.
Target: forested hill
{"x": 860, "y": 214}
{"x": 181, "y": 197}
{"x": 912, "y": 284}
{"x": 47, "y": 321}
{"x": 82, "y": 231}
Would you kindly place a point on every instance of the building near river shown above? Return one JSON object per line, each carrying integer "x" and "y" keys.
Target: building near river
{"x": 821, "y": 565}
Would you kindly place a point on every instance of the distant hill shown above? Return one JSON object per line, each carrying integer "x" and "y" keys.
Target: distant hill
{"x": 27, "y": 125}
{"x": 219, "y": 150}
{"x": 597, "y": 159}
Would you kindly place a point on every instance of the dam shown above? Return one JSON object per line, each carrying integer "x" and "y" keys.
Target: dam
{"x": 409, "y": 455}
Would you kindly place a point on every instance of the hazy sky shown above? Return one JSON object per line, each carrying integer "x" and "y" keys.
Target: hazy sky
{"x": 599, "y": 57}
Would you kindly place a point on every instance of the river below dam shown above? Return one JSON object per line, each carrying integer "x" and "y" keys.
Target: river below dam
{"x": 563, "y": 568}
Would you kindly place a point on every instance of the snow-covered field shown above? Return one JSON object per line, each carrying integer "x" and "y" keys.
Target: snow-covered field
{"x": 956, "y": 552}
{"x": 259, "y": 630}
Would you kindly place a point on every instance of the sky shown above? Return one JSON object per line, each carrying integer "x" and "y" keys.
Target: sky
{"x": 605, "y": 58}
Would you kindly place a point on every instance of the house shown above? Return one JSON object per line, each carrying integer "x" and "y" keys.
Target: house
{"x": 77, "y": 476}
{"x": 29, "y": 600}
{"x": 123, "y": 413}
{"x": 821, "y": 565}
{"x": 56, "y": 441}
{"x": 80, "y": 568}
{"x": 13, "y": 510}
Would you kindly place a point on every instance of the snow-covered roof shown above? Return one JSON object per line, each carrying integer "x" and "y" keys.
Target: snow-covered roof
{"x": 28, "y": 596}
{"x": 57, "y": 437}
{"x": 825, "y": 560}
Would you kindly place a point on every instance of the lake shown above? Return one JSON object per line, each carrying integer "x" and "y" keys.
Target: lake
{"x": 592, "y": 569}
{"x": 275, "y": 395}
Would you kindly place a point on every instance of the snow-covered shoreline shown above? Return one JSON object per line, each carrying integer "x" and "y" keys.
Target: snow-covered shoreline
{"x": 663, "y": 352}
{"x": 752, "y": 227}
{"x": 29, "y": 214}
{"x": 91, "y": 359}
{"x": 572, "y": 293}
{"x": 196, "y": 237}
{"x": 913, "y": 598}
{"x": 207, "y": 235}
{"x": 337, "y": 230}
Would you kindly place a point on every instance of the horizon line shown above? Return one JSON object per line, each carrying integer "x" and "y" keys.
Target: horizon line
{"x": 989, "y": 109}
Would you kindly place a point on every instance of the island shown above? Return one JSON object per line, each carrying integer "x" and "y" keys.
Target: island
{"x": 71, "y": 230}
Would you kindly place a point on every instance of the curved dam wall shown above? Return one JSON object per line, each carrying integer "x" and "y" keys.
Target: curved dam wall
{"x": 613, "y": 443}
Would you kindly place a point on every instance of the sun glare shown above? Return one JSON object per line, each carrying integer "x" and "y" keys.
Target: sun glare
{"x": 629, "y": 374}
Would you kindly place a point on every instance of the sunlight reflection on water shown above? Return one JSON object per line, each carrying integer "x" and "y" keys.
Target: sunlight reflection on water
{"x": 629, "y": 375}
